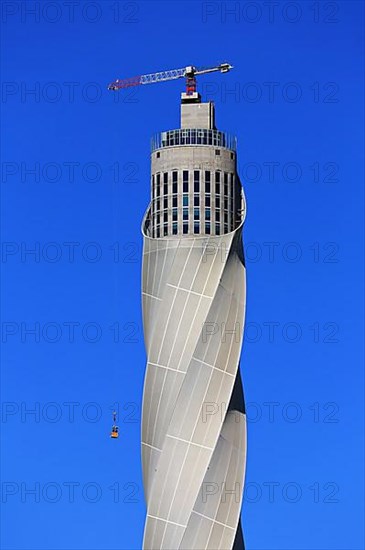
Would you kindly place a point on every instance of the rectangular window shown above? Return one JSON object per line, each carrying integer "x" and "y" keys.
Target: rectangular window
{"x": 207, "y": 182}
{"x": 165, "y": 230}
{"x": 174, "y": 202}
{"x": 207, "y": 200}
{"x": 174, "y": 228}
{"x": 158, "y": 204}
{"x": 196, "y": 200}
{"x": 158, "y": 179}
{"x": 174, "y": 182}
{"x": 207, "y": 213}
{"x": 232, "y": 186}
{"x": 165, "y": 217}
{"x": 217, "y": 202}
{"x": 196, "y": 181}
{"x": 225, "y": 203}
{"x": 217, "y": 228}
{"x": 217, "y": 152}
{"x": 196, "y": 213}
{"x": 165, "y": 202}
{"x": 217, "y": 216}
{"x": 153, "y": 186}
{"x": 185, "y": 214}
{"x": 207, "y": 228}
{"x": 196, "y": 227}
{"x": 185, "y": 228}
{"x": 174, "y": 214}
{"x": 217, "y": 183}
{"x": 185, "y": 181}
{"x": 158, "y": 232}
{"x": 225, "y": 183}
{"x": 185, "y": 200}
{"x": 158, "y": 218}
{"x": 226, "y": 217}
{"x": 165, "y": 183}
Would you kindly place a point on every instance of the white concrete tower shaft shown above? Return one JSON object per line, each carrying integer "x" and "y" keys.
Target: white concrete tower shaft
{"x": 194, "y": 295}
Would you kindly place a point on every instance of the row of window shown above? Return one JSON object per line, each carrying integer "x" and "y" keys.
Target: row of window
{"x": 160, "y": 182}
{"x": 157, "y": 204}
{"x": 197, "y": 228}
{"x": 196, "y": 215}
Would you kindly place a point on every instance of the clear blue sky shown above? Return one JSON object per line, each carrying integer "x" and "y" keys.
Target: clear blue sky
{"x": 297, "y": 112}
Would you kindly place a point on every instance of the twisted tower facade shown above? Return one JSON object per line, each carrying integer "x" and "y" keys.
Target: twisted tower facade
{"x": 193, "y": 294}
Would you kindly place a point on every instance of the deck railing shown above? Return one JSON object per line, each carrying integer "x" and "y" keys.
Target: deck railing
{"x": 193, "y": 136}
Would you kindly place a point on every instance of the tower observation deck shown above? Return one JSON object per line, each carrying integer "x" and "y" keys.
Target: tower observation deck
{"x": 194, "y": 185}
{"x": 193, "y": 295}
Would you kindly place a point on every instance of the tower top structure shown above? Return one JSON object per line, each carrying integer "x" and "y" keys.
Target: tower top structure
{"x": 197, "y": 114}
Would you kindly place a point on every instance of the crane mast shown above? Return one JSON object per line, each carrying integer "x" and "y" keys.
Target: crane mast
{"x": 189, "y": 73}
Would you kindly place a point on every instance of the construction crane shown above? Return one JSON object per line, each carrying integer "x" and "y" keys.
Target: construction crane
{"x": 189, "y": 73}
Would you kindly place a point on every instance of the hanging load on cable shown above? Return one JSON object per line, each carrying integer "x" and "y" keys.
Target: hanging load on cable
{"x": 115, "y": 429}
{"x": 189, "y": 73}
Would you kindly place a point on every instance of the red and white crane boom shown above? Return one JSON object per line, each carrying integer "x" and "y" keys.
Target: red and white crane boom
{"x": 189, "y": 73}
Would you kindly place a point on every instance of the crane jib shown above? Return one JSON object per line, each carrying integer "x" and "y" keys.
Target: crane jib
{"x": 162, "y": 76}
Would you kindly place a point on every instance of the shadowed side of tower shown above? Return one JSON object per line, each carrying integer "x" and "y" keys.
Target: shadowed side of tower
{"x": 193, "y": 294}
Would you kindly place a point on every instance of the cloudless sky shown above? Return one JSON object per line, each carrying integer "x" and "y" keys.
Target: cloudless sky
{"x": 294, "y": 101}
